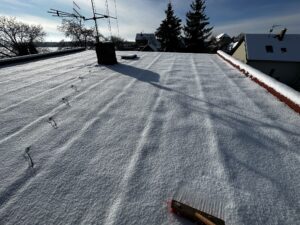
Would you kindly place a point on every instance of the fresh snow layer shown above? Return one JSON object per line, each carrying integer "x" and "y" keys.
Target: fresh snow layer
{"x": 124, "y": 139}
{"x": 283, "y": 89}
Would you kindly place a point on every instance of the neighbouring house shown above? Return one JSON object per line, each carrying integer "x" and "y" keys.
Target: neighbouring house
{"x": 147, "y": 42}
{"x": 223, "y": 42}
{"x": 128, "y": 46}
{"x": 232, "y": 47}
{"x": 275, "y": 55}
{"x": 236, "y": 41}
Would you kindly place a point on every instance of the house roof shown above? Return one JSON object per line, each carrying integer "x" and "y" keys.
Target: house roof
{"x": 143, "y": 36}
{"x": 233, "y": 46}
{"x": 152, "y": 41}
{"x": 287, "y": 50}
{"x": 222, "y": 35}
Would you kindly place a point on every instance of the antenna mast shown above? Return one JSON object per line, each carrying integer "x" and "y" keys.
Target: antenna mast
{"x": 107, "y": 13}
{"x": 77, "y": 15}
{"x": 105, "y": 51}
{"x": 95, "y": 19}
{"x": 116, "y": 12}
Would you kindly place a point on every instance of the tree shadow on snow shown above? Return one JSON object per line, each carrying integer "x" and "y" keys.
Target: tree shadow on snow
{"x": 188, "y": 101}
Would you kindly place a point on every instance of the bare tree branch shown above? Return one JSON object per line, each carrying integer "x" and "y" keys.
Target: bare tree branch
{"x": 6, "y": 55}
{"x": 77, "y": 31}
{"x": 10, "y": 50}
{"x": 18, "y": 37}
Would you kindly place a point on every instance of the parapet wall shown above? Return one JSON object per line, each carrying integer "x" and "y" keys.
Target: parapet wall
{"x": 28, "y": 58}
{"x": 281, "y": 91}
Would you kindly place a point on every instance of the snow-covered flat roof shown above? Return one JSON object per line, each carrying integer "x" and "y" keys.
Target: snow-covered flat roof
{"x": 111, "y": 144}
{"x": 267, "y": 47}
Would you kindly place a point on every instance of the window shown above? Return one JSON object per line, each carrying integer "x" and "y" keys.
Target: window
{"x": 283, "y": 50}
{"x": 269, "y": 48}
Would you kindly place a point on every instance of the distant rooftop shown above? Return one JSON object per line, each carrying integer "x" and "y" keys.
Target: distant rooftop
{"x": 223, "y": 35}
{"x": 150, "y": 37}
{"x": 268, "y": 47}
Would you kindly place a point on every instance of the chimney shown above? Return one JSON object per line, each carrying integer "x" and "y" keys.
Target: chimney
{"x": 281, "y": 35}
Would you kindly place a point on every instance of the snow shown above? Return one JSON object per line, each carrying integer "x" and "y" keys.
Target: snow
{"x": 222, "y": 35}
{"x": 233, "y": 45}
{"x": 132, "y": 135}
{"x": 256, "y": 47}
{"x": 283, "y": 89}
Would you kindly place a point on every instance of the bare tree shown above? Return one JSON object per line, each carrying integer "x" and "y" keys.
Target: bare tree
{"x": 76, "y": 30}
{"x": 118, "y": 41}
{"x": 17, "y": 38}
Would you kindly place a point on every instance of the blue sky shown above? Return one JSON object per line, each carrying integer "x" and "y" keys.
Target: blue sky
{"x": 230, "y": 16}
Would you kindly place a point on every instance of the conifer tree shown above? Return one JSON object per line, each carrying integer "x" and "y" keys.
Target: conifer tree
{"x": 197, "y": 28}
{"x": 169, "y": 32}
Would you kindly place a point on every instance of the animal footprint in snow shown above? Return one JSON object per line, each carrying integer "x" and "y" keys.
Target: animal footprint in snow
{"x": 81, "y": 78}
{"x": 66, "y": 101}
{"x": 52, "y": 122}
{"x": 74, "y": 88}
{"x": 28, "y": 156}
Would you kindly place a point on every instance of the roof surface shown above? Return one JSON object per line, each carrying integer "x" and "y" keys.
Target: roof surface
{"x": 286, "y": 50}
{"x": 124, "y": 139}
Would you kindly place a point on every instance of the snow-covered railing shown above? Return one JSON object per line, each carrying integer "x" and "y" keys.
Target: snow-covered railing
{"x": 283, "y": 92}
{"x": 37, "y": 56}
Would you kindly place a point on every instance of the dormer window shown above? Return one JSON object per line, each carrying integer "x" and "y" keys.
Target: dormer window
{"x": 283, "y": 50}
{"x": 269, "y": 48}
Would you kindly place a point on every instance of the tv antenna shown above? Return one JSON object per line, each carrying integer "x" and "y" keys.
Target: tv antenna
{"x": 77, "y": 15}
{"x": 116, "y": 13}
{"x": 273, "y": 27}
{"x": 107, "y": 13}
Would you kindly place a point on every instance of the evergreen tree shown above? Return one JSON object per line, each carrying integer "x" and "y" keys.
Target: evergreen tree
{"x": 197, "y": 30}
{"x": 169, "y": 32}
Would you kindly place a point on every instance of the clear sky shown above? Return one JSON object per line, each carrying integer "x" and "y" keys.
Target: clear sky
{"x": 229, "y": 16}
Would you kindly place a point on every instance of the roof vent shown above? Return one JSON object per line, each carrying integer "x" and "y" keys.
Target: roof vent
{"x": 281, "y": 35}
